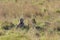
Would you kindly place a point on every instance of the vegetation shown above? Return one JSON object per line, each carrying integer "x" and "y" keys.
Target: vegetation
{"x": 41, "y": 20}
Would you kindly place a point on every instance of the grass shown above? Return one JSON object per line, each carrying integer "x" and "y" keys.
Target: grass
{"x": 43, "y": 11}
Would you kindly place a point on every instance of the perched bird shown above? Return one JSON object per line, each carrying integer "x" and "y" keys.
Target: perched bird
{"x": 21, "y": 24}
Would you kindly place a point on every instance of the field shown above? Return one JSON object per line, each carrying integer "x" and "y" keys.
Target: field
{"x": 45, "y": 12}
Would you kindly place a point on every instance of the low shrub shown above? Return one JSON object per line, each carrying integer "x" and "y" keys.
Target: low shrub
{"x": 7, "y": 25}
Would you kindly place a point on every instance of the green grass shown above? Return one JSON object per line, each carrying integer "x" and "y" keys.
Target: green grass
{"x": 49, "y": 10}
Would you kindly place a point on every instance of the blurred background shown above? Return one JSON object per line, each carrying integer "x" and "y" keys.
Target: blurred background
{"x": 45, "y": 12}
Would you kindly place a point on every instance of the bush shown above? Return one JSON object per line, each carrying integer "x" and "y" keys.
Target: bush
{"x": 7, "y": 25}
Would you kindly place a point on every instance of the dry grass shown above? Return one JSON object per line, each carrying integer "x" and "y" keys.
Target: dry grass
{"x": 46, "y": 13}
